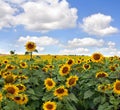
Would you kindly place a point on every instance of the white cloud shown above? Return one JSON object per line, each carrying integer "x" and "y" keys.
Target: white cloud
{"x": 98, "y": 24}
{"x": 111, "y": 44}
{"x": 6, "y": 14}
{"x": 85, "y": 42}
{"x": 46, "y": 15}
{"x": 77, "y": 51}
{"x": 41, "y": 41}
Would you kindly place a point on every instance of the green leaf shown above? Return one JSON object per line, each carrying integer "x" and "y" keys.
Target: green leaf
{"x": 36, "y": 50}
{"x": 88, "y": 94}
{"x": 30, "y": 91}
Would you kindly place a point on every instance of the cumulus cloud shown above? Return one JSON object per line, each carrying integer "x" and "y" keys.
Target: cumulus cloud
{"x": 76, "y": 51}
{"x": 98, "y": 24}
{"x": 46, "y": 15}
{"x": 41, "y": 41}
{"x": 6, "y": 14}
{"x": 85, "y": 42}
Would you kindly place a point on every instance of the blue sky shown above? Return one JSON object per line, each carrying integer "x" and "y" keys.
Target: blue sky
{"x": 77, "y": 27}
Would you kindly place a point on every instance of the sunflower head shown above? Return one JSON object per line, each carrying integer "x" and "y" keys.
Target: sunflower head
{"x": 1, "y": 97}
{"x": 30, "y": 46}
{"x": 49, "y": 83}
{"x": 60, "y": 92}
{"x": 97, "y": 57}
{"x": 23, "y": 65}
{"x": 64, "y": 70}
{"x": 49, "y": 105}
{"x": 21, "y": 87}
{"x": 101, "y": 74}
{"x": 86, "y": 66}
{"x": 116, "y": 87}
{"x": 71, "y": 81}
{"x": 10, "y": 79}
{"x": 70, "y": 62}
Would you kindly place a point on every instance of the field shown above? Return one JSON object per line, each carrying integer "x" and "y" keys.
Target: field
{"x": 56, "y": 82}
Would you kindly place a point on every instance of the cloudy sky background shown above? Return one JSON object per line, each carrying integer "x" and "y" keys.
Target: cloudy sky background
{"x": 77, "y": 27}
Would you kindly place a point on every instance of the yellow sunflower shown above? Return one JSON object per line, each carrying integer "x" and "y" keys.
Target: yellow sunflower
{"x": 10, "y": 78}
{"x": 71, "y": 81}
{"x": 49, "y": 83}
{"x": 60, "y": 92}
{"x": 21, "y": 87}
{"x": 5, "y": 61}
{"x": 64, "y": 70}
{"x": 1, "y": 97}
{"x": 101, "y": 74}
{"x": 86, "y": 66}
{"x": 24, "y": 99}
{"x": 101, "y": 88}
{"x": 70, "y": 62}
{"x": 10, "y": 67}
{"x": 17, "y": 98}
{"x": 6, "y": 73}
{"x": 116, "y": 87}
{"x": 97, "y": 57}
{"x": 30, "y": 46}
{"x": 11, "y": 89}
{"x": 49, "y": 105}
{"x": 23, "y": 65}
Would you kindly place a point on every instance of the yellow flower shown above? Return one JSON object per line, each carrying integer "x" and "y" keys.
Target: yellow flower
{"x": 60, "y": 92}
{"x": 49, "y": 83}
{"x": 10, "y": 67}
{"x": 101, "y": 88}
{"x": 10, "y": 78}
{"x": 86, "y": 66}
{"x": 97, "y": 57}
{"x": 101, "y": 74}
{"x": 116, "y": 87}
{"x": 30, "y": 46}
{"x": 71, "y": 81}
{"x": 23, "y": 65}
{"x": 20, "y": 99}
{"x": 70, "y": 62}
{"x": 1, "y": 97}
{"x": 5, "y": 61}
{"x": 49, "y": 105}
{"x": 64, "y": 70}
{"x": 11, "y": 89}
{"x": 21, "y": 87}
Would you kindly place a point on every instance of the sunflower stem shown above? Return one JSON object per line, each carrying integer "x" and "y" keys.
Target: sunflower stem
{"x": 30, "y": 55}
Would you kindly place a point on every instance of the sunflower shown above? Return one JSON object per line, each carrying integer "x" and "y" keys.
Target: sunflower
{"x": 49, "y": 83}
{"x": 21, "y": 87}
{"x": 86, "y": 66}
{"x": 112, "y": 68}
{"x": 11, "y": 89}
{"x": 116, "y": 87}
{"x": 70, "y": 62}
{"x": 17, "y": 98}
{"x": 101, "y": 74}
{"x": 101, "y": 88}
{"x": 5, "y": 61}
{"x": 1, "y": 97}
{"x": 71, "y": 81}
{"x": 5, "y": 74}
{"x": 10, "y": 78}
{"x": 10, "y": 67}
{"x": 23, "y": 65}
{"x": 97, "y": 57}
{"x": 24, "y": 99}
{"x": 60, "y": 92}
{"x": 64, "y": 70}
{"x": 49, "y": 105}
{"x": 30, "y": 46}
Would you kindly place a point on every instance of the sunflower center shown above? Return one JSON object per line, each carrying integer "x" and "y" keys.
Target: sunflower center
{"x": 86, "y": 66}
{"x": 20, "y": 87}
{"x": 9, "y": 79}
{"x": 23, "y": 64}
{"x": 9, "y": 67}
{"x": 96, "y": 56}
{"x": 60, "y": 90}
{"x": 112, "y": 68}
{"x": 30, "y": 46}
{"x": 17, "y": 98}
{"x": 49, "y": 83}
{"x": 49, "y": 106}
{"x": 65, "y": 70}
{"x": 11, "y": 90}
{"x": 101, "y": 75}
{"x": 70, "y": 62}
{"x": 118, "y": 86}
{"x": 72, "y": 81}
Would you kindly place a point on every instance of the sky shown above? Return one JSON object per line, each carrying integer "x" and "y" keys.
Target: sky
{"x": 62, "y": 27}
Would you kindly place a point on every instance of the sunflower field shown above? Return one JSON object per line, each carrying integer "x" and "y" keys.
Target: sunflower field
{"x": 59, "y": 82}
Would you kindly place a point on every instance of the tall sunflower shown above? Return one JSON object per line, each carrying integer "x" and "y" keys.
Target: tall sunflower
{"x": 64, "y": 70}
{"x": 97, "y": 57}
{"x": 101, "y": 74}
{"x": 60, "y": 92}
{"x": 49, "y": 105}
{"x": 116, "y": 87}
{"x": 71, "y": 81}
{"x": 49, "y": 83}
{"x": 30, "y": 46}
